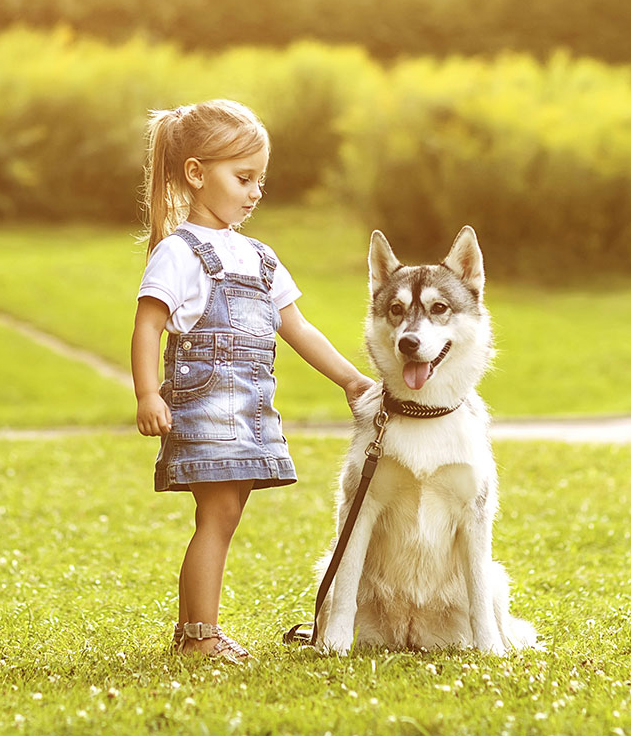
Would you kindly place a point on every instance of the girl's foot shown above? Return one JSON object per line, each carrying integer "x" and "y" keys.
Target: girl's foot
{"x": 210, "y": 640}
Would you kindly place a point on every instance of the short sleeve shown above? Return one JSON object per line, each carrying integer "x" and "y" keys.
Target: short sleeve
{"x": 167, "y": 274}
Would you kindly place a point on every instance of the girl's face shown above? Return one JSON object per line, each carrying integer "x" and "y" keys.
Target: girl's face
{"x": 226, "y": 192}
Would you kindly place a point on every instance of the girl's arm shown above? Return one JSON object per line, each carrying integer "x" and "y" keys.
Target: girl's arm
{"x": 153, "y": 416}
{"x": 314, "y": 347}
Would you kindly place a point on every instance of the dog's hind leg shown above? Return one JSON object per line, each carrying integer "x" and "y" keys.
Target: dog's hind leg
{"x": 474, "y": 538}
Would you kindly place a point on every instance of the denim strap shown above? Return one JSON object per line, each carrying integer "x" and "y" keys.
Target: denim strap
{"x": 205, "y": 251}
{"x": 268, "y": 264}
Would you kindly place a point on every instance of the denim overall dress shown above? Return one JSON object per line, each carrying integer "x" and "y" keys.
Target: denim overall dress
{"x": 219, "y": 385}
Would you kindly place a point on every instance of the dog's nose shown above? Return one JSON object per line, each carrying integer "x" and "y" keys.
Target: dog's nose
{"x": 409, "y": 344}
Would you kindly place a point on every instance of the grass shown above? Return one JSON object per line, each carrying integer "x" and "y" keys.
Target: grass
{"x": 41, "y": 388}
{"x": 88, "y": 566}
{"x": 560, "y": 353}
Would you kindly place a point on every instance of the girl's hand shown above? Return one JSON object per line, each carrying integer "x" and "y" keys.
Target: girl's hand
{"x": 356, "y": 387}
{"x": 153, "y": 417}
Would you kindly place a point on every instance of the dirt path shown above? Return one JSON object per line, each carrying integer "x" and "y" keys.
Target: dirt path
{"x": 99, "y": 365}
{"x": 616, "y": 430}
{"x": 601, "y": 430}
{"x": 607, "y": 430}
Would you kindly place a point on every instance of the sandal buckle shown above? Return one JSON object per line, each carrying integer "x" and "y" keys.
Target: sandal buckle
{"x": 197, "y": 632}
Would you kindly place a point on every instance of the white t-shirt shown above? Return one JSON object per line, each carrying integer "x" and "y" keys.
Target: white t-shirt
{"x": 176, "y": 276}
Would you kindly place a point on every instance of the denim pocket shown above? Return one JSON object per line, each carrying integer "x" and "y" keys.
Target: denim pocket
{"x": 250, "y": 312}
{"x": 203, "y": 401}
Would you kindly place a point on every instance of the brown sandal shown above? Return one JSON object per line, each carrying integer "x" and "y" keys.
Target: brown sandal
{"x": 225, "y": 647}
{"x": 178, "y": 633}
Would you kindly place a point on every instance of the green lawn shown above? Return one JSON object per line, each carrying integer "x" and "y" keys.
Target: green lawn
{"x": 41, "y": 388}
{"x": 563, "y": 352}
{"x": 88, "y": 572}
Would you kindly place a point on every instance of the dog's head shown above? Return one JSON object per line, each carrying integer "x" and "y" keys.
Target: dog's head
{"x": 428, "y": 332}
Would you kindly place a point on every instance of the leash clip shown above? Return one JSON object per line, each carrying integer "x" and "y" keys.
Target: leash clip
{"x": 374, "y": 449}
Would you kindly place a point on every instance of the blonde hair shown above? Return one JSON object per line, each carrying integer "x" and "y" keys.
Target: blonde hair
{"x": 213, "y": 130}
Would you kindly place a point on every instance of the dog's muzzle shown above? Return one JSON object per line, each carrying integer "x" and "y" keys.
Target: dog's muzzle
{"x": 417, "y": 372}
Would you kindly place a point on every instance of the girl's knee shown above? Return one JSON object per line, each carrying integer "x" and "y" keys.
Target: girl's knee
{"x": 218, "y": 509}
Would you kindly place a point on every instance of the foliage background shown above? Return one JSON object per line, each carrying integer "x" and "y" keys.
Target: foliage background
{"x": 534, "y": 153}
{"x": 597, "y": 28}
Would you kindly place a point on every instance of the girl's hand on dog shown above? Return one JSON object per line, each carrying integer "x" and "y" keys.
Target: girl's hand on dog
{"x": 355, "y": 388}
{"x": 153, "y": 417}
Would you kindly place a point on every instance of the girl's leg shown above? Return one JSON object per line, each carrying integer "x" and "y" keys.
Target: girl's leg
{"x": 219, "y": 507}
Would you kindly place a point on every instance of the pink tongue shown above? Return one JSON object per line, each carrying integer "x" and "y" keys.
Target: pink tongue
{"x": 415, "y": 374}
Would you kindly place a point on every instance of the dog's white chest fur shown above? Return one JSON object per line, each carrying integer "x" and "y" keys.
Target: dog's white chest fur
{"x": 425, "y": 445}
{"x": 424, "y": 487}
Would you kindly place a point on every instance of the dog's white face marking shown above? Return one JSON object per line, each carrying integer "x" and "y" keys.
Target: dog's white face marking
{"x": 404, "y": 297}
{"x": 436, "y": 305}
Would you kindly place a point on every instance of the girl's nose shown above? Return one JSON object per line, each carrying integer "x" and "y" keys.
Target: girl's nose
{"x": 256, "y": 192}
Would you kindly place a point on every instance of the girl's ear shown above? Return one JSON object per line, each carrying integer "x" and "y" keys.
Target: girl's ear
{"x": 194, "y": 173}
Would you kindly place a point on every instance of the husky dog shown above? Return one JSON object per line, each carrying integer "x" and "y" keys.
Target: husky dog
{"x": 418, "y": 572}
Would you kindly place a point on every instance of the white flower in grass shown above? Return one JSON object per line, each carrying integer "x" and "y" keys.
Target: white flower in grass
{"x": 37, "y": 696}
{"x": 18, "y": 719}
{"x": 175, "y": 685}
{"x": 498, "y": 704}
{"x": 431, "y": 668}
{"x": 540, "y": 716}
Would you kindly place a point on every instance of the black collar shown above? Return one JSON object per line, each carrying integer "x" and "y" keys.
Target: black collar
{"x": 412, "y": 409}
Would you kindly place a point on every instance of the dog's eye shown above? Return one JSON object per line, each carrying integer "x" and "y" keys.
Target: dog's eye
{"x": 438, "y": 308}
{"x": 396, "y": 310}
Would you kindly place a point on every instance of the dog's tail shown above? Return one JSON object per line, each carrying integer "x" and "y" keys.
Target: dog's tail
{"x": 522, "y": 634}
{"x": 516, "y": 633}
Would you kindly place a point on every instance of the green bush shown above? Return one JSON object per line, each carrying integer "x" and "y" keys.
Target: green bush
{"x": 536, "y": 157}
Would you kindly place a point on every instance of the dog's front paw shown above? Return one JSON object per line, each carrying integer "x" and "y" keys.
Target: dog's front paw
{"x": 338, "y": 641}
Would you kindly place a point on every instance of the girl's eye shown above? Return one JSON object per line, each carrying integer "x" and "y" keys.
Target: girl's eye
{"x": 396, "y": 310}
{"x": 244, "y": 179}
{"x": 438, "y": 308}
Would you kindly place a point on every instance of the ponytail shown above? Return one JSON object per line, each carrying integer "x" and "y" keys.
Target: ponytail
{"x": 165, "y": 201}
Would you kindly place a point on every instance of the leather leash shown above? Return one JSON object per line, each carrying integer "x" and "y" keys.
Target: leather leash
{"x": 373, "y": 452}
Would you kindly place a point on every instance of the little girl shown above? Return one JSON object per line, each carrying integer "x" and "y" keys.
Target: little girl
{"x": 221, "y": 297}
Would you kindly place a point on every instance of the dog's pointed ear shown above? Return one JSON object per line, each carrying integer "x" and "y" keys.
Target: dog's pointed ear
{"x": 465, "y": 260}
{"x": 381, "y": 261}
